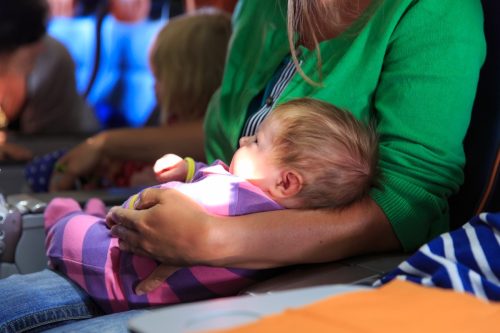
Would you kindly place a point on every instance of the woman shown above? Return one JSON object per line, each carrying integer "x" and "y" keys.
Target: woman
{"x": 406, "y": 82}
{"x": 411, "y": 65}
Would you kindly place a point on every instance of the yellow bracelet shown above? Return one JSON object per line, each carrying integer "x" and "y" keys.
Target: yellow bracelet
{"x": 190, "y": 169}
{"x": 132, "y": 201}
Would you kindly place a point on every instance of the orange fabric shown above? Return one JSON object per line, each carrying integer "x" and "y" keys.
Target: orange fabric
{"x": 396, "y": 307}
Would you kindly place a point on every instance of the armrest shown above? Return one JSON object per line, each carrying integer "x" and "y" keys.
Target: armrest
{"x": 230, "y": 311}
{"x": 362, "y": 270}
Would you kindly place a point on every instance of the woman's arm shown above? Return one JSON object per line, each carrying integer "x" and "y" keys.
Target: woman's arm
{"x": 149, "y": 144}
{"x": 10, "y": 151}
{"x": 259, "y": 240}
{"x": 143, "y": 144}
{"x": 288, "y": 237}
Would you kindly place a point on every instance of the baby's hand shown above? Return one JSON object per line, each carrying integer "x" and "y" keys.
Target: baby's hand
{"x": 153, "y": 281}
{"x": 170, "y": 167}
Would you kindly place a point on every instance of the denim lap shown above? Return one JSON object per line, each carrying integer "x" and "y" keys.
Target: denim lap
{"x": 112, "y": 323}
{"x": 41, "y": 300}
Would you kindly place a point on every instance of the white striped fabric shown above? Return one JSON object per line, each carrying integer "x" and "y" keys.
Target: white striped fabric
{"x": 256, "y": 119}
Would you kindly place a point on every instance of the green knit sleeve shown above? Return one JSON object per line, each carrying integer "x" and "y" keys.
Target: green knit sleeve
{"x": 423, "y": 104}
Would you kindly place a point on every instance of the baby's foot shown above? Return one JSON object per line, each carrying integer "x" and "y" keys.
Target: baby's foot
{"x": 96, "y": 207}
{"x": 58, "y": 208}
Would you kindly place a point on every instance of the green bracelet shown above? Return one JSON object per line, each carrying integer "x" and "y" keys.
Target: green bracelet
{"x": 190, "y": 169}
{"x": 61, "y": 168}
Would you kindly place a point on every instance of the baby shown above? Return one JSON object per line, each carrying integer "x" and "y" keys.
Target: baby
{"x": 306, "y": 154}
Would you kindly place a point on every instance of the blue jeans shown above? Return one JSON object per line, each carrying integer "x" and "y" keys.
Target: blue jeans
{"x": 47, "y": 300}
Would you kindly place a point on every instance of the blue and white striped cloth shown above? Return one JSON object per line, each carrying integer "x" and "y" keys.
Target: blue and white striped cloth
{"x": 465, "y": 260}
{"x": 256, "y": 119}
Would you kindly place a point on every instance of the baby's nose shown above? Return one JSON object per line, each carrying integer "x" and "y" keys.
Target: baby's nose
{"x": 244, "y": 140}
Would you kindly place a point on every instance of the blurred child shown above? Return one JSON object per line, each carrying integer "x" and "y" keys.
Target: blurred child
{"x": 306, "y": 154}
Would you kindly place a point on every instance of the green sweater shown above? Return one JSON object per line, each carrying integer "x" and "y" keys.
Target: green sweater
{"x": 412, "y": 65}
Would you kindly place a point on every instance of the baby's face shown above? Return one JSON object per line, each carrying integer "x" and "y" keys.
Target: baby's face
{"x": 253, "y": 160}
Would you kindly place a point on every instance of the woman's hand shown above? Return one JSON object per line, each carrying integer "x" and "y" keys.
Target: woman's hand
{"x": 79, "y": 161}
{"x": 170, "y": 167}
{"x": 166, "y": 225}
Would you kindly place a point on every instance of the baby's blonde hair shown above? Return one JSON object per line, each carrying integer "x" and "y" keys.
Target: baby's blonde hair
{"x": 336, "y": 154}
{"x": 188, "y": 57}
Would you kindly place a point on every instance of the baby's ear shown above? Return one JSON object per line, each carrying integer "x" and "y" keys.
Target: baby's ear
{"x": 289, "y": 184}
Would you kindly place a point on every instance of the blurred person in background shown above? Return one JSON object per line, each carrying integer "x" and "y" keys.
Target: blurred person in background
{"x": 37, "y": 80}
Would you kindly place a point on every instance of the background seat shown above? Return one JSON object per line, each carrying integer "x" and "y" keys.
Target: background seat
{"x": 480, "y": 191}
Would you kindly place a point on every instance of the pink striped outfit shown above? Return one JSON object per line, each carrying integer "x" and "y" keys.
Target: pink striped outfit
{"x": 79, "y": 244}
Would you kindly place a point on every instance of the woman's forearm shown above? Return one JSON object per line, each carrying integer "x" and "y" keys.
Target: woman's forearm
{"x": 287, "y": 237}
{"x": 174, "y": 229}
{"x": 150, "y": 143}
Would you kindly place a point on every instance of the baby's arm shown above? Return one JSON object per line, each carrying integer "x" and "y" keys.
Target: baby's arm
{"x": 171, "y": 167}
